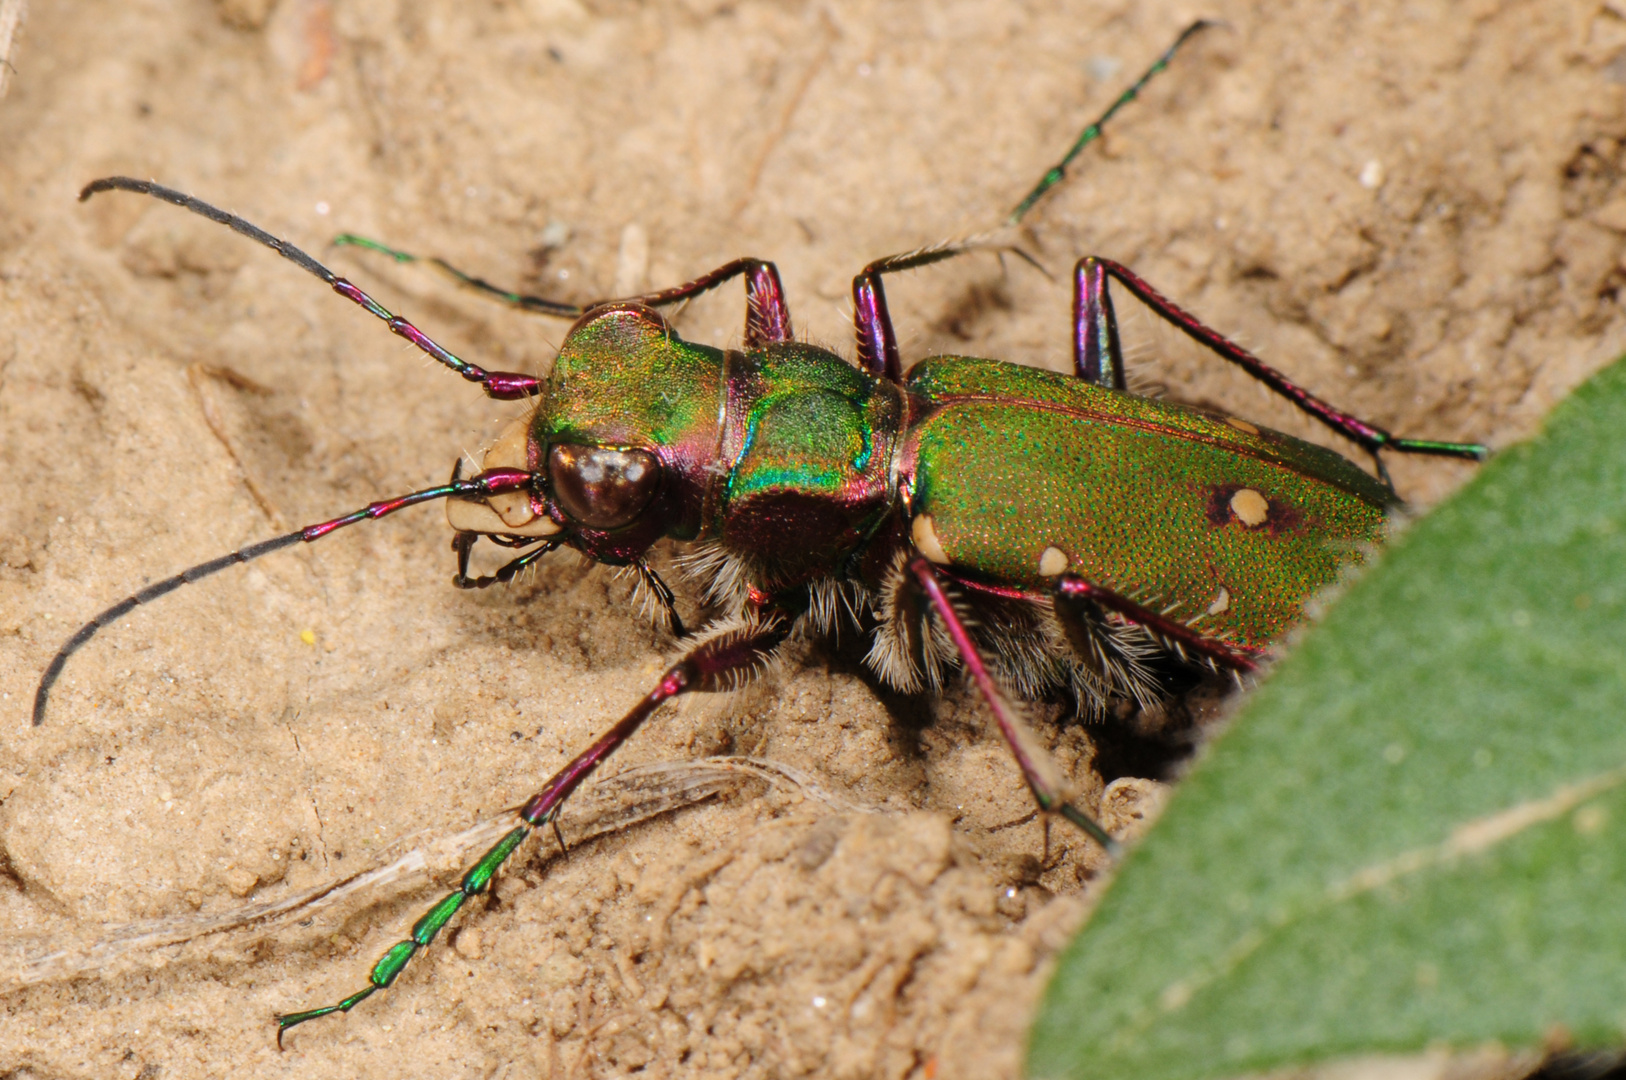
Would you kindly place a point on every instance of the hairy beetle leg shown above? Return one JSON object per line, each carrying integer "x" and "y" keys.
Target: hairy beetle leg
{"x": 662, "y": 596}
{"x": 1071, "y": 592}
{"x": 872, "y": 322}
{"x": 1041, "y": 774}
{"x": 767, "y": 316}
{"x": 715, "y": 664}
{"x": 1098, "y": 356}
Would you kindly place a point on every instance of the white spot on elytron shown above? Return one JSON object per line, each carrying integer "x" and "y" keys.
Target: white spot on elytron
{"x": 925, "y": 537}
{"x": 1222, "y": 602}
{"x": 1250, "y": 507}
{"x": 1052, "y": 562}
{"x": 1242, "y": 425}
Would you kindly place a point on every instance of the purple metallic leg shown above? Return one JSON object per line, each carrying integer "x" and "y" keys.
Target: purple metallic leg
{"x": 1098, "y": 357}
{"x": 1041, "y": 774}
{"x": 720, "y": 663}
{"x": 1090, "y": 280}
{"x": 877, "y": 341}
{"x": 1072, "y": 592}
{"x": 717, "y": 664}
{"x": 767, "y": 317}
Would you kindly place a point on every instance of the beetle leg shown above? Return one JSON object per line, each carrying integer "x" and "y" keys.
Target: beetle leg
{"x": 1056, "y": 172}
{"x": 539, "y": 304}
{"x": 767, "y": 317}
{"x": 661, "y": 594}
{"x": 718, "y": 663}
{"x": 1072, "y": 593}
{"x": 1098, "y": 357}
{"x": 1041, "y": 774}
{"x": 872, "y": 322}
{"x": 1090, "y": 276}
{"x": 877, "y": 341}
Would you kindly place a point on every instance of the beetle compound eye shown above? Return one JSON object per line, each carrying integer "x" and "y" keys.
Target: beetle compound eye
{"x": 600, "y": 487}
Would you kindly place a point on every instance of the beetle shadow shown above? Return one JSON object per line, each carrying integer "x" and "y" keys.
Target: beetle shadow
{"x": 910, "y": 714}
{"x": 1156, "y": 743}
{"x": 1151, "y": 743}
{"x": 964, "y": 313}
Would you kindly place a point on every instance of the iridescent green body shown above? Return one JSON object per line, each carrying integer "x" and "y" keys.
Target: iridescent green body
{"x": 1137, "y": 494}
{"x": 796, "y": 469}
{"x": 783, "y": 455}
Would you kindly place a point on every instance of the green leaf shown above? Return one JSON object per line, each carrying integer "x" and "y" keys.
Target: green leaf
{"x": 1415, "y": 833}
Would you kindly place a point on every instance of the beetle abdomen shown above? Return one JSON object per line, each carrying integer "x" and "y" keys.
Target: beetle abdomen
{"x": 1022, "y": 474}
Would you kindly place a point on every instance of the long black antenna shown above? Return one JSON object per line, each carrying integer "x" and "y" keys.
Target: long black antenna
{"x": 502, "y": 385}
{"x": 488, "y": 483}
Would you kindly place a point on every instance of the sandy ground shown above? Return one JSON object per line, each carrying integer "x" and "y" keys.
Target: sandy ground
{"x": 1415, "y": 208}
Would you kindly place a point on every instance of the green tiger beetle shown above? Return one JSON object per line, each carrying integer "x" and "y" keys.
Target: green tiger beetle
{"x": 1041, "y": 531}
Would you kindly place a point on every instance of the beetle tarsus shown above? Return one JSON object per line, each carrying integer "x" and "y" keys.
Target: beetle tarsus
{"x": 1041, "y": 774}
{"x": 1090, "y": 303}
{"x": 713, "y": 664}
{"x": 1058, "y": 172}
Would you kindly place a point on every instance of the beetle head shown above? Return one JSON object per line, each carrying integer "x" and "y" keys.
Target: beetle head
{"x": 619, "y": 444}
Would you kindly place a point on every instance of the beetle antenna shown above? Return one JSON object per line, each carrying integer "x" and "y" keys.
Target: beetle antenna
{"x": 502, "y": 385}
{"x": 489, "y": 483}
{"x": 1058, "y": 171}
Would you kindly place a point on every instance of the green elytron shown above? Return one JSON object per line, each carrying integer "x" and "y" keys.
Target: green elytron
{"x": 1041, "y": 531}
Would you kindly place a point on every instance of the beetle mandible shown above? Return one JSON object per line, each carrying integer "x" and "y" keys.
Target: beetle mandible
{"x": 1039, "y": 530}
